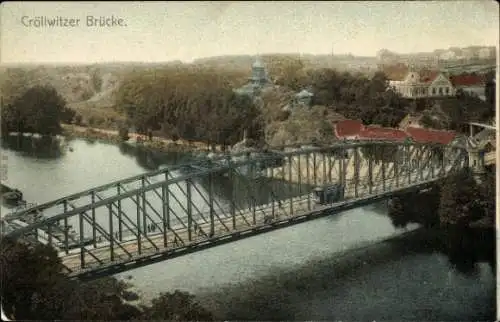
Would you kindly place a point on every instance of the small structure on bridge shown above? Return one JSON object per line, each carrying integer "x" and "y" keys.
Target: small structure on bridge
{"x": 478, "y": 144}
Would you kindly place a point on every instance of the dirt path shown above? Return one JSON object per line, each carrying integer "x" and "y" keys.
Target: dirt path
{"x": 135, "y": 136}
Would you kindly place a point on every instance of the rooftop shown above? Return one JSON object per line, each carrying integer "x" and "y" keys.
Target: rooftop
{"x": 420, "y": 135}
{"x": 347, "y": 128}
{"x": 381, "y": 133}
{"x": 355, "y": 128}
{"x": 467, "y": 80}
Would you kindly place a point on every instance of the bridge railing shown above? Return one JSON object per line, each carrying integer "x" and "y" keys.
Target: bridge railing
{"x": 218, "y": 221}
{"x": 180, "y": 241}
{"x": 208, "y": 165}
{"x": 129, "y": 194}
{"x": 71, "y": 210}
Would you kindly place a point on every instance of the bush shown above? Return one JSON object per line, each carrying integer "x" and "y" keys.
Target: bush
{"x": 77, "y": 119}
{"x": 123, "y": 132}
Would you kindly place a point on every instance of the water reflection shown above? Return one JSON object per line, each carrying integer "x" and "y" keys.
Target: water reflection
{"x": 151, "y": 159}
{"x": 404, "y": 278}
{"x": 44, "y": 147}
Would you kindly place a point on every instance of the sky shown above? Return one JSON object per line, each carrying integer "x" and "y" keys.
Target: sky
{"x": 164, "y": 31}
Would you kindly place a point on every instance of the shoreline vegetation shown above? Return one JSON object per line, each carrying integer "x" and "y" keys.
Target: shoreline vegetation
{"x": 113, "y": 136}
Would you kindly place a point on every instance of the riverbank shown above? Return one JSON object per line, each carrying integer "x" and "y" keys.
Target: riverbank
{"x": 112, "y": 136}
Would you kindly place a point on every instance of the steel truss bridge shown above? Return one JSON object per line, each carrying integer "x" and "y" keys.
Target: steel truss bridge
{"x": 170, "y": 212}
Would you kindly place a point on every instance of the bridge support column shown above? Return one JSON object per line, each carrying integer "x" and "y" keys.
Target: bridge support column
{"x": 315, "y": 170}
{"x": 164, "y": 212}
{"x": 66, "y": 229}
{"x": 383, "y": 163}
{"x": 342, "y": 168}
{"x": 252, "y": 194}
{"x": 308, "y": 180}
{"x": 356, "y": 172}
{"x": 231, "y": 197}
{"x": 370, "y": 169}
{"x": 82, "y": 247}
{"x": 143, "y": 197}
{"x": 290, "y": 188}
{"x": 299, "y": 173}
{"x": 138, "y": 218}
{"x": 433, "y": 162}
{"x": 189, "y": 208}
{"x": 120, "y": 220}
{"x": 94, "y": 232}
{"x": 324, "y": 167}
{"x": 111, "y": 234}
{"x": 397, "y": 164}
{"x": 409, "y": 154}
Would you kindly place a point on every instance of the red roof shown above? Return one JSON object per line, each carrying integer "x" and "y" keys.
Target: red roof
{"x": 420, "y": 135}
{"x": 347, "y": 128}
{"x": 467, "y": 80}
{"x": 428, "y": 76}
{"x": 382, "y": 133}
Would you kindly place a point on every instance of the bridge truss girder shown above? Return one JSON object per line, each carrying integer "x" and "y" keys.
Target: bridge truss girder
{"x": 169, "y": 211}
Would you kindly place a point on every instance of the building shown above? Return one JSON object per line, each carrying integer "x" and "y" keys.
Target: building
{"x": 448, "y": 55}
{"x": 412, "y": 120}
{"x": 347, "y": 129}
{"x": 355, "y": 130}
{"x": 423, "y": 85}
{"x": 421, "y": 135}
{"x": 472, "y": 84}
{"x": 256, "y": 82}
{"x": 373, "y": 132}
{"x": 303, "y": 98}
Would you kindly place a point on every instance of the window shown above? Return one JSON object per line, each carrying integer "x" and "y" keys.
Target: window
{"x": 433, "y": 91}
{"x": 447, "y": 90}
{"x": 440, "y": 91}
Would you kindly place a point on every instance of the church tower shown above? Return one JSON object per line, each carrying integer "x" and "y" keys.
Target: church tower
{"x": 259, "y": 75}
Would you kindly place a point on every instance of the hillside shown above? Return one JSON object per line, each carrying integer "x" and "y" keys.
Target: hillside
{"x": 92, "y": 86}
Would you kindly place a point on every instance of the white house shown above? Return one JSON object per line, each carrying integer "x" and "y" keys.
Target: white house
{"x": 448, "y": 55}
{"x": 415, "y": 85}
{"x": 473, "y": 84}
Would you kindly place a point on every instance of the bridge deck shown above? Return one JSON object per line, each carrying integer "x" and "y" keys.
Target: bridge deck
{"x": 243, "y": 224}
{"x": 150, "y": 217}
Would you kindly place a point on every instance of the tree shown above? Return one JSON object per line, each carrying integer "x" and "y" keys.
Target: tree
{"x": 34, "y": 287}
{"x": 31, "y": 276}
{"x": 358, "y": 97}
{"x": 460, "y": 200}
{"x": 177, "y": 306}
{"x": 194, "y": 104}
{"x": 40, "y": 109}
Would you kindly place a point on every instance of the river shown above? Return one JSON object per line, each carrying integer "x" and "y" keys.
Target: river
{"x": 332, "y": 268}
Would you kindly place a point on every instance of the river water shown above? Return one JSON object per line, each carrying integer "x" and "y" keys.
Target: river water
{"x": 333, "y": 268}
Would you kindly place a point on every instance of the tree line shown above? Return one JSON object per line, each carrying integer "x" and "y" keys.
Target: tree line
{"x": 196, "y": 103}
